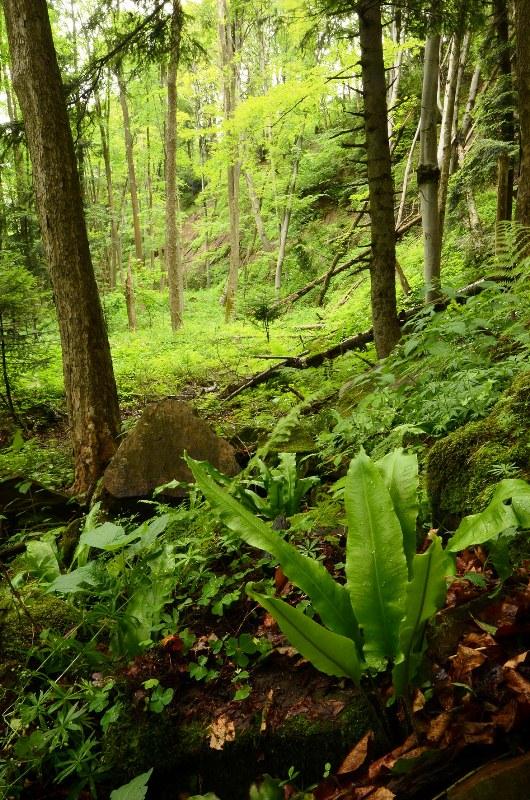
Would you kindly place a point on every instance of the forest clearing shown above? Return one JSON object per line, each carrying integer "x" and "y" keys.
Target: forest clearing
{"x": 264, "y": 400}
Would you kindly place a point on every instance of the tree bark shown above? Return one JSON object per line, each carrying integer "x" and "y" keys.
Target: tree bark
{"x": 173, "y": 255}
{"x": 115, "y": 257}
{"x": 227, "y": 33}
{"x": 444, "y": 145}
{"x": 507, "y": 127}
{"x": 131, "y": 171}
{"x": 380, "y": 184}
{"x": 428, "y": 170}
{"x": 522, "y": 26}
{"x": 91, "y": 396}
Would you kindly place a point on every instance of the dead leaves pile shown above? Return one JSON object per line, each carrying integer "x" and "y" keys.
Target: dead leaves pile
{"x": 478, "y": 696}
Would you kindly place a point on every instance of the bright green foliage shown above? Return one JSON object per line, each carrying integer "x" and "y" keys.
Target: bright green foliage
{"x": 134, "y": 790}
{"x": 283, "y": 486}
{"x": 390, "y": 611}
{"x": 376, "y": 568}
{"x": 509, "y": 508}
{"x": 425, "y": 595}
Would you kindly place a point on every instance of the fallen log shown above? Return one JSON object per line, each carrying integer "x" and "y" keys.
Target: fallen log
{"x": 356, "y": 342}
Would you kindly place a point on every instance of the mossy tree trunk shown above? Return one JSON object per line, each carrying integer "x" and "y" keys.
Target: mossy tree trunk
{"x": 380, "y": 184}
{"x": 91, "y": 395}
{"x": 522, "y": 39}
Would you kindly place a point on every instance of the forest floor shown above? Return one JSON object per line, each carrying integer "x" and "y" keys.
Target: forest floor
{"x": 449, "y": 370}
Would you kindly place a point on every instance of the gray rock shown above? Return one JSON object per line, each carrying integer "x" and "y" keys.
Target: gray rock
{"x": 151, "y": 454}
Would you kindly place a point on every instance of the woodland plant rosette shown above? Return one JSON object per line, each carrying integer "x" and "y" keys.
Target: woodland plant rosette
{"x": 378, "y": 617}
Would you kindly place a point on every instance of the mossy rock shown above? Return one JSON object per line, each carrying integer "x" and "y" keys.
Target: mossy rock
{"x": 294, "y": 717}
{"x": 20, "y": 627}
{"x": 463, "y": 468}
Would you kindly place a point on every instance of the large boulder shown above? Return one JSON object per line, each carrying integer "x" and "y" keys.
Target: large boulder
{"x": 151, "y": 454}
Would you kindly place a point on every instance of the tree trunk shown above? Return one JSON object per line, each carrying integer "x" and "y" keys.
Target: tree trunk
{"x": 229, "y": 69}
{"x": 428, "y": 170}
{"x": 467, "y": 119}
{"x": 129, "y": 297}
{"x": 131, "y": 171}
{"x": 507, "y": 128}
{"x": 395, "y": 72}
{"x": 114, "y": 262}
{"x": 173, "y": 255}
{"x": 406, "y": 176}
{"x": 444, "y": 145}
{"x": 255, "y": 206}
{"x": 380, "y": 185}
{"x": 522, "y": 26}
{"x": 91, "y": 395}
{"x": 284, "y": 227}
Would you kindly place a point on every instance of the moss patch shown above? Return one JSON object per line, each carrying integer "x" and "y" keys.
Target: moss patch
{"x": 463, "y": 468}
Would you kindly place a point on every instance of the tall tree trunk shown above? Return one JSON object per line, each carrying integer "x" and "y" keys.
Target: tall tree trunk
{"x": 227, "y": 35}
{"x": 131, "y": 171}
{"x": 467, "y": 119}
{"x": 91, "y": 395}
{"x": 173, "y": 255}
{"x": 522, "y": 27}
{"x": 380, "y": 185}
{"x": 507, "y": 128}
{"x": 428, "y": 170}
{"x": 444, "y": 145}
{"x": 114, "y": 237}
{"x": 284, "y": 227}
{"x": 406, "y": 176}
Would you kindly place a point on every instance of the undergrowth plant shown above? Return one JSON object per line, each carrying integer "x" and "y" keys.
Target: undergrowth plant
{"x": 390, "y": 593}
{"x": 379, "y": 616}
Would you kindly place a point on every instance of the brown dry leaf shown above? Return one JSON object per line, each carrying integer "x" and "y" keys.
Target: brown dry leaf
{"x": 222, "y": 730}
{"x": 479, "y": 640}
{"x": 505, "y": 717}
{"x": 265, "y": 710}
{"x": 357, "y": 756}
{"x": 418, "y": 701}
{"x": 380, "y": 793}
{"x": 464, "y": 662}
{"x": 438, "y": 727}
{"x": 387, "y": 761}
{"x": 269, "y": 621}
{"x": 513, "y": 663}
{"x": 518, "y": 684}
{"x": 477, "y": 733}
{"x": 280, "y": 579}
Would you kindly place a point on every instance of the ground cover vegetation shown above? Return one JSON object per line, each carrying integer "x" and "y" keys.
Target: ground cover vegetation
{"x": 308, "y": 220}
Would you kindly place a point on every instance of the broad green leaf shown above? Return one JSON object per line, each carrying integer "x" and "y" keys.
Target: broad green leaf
{"x": 109, "y": 537}
{"x": 329, "y": 598}
{"x": 399, "y": 471}
{"x": 41, "y": 561}
{"x": 376, "y": 567}
{"x": 426, "y": 594}
{"x": 329, "y": 652}
{"x": 497, "y": 517}
{"x": 134, "y": 790}
{"x": 74, "y": 581}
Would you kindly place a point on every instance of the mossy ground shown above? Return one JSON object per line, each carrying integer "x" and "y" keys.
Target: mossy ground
{"x": 463, "y": 468}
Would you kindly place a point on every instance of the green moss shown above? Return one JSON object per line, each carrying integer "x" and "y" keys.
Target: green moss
{"x": 19, "y": 628}
{"x": 463, "y": 468}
